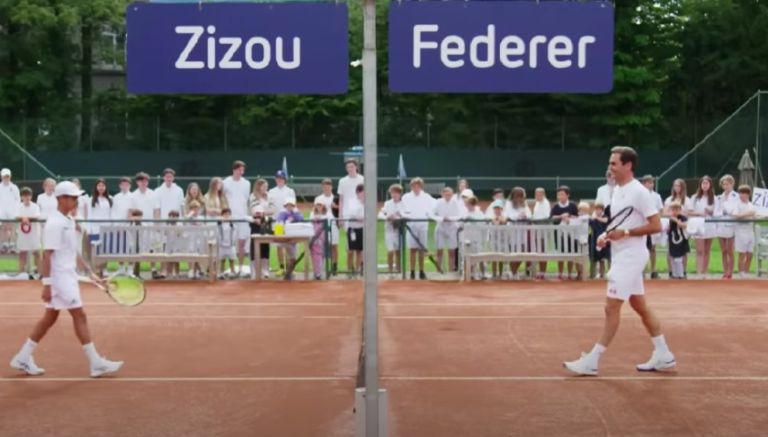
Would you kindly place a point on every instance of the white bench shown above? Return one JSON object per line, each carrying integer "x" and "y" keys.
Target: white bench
{"x": 158, "y": 243}
{"x": 532, "y": 243}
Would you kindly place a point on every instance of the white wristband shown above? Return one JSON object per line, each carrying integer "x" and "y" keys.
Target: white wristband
{"x": 46, "y": 281}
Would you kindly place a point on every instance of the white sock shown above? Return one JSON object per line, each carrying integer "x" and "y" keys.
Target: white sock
{"x": 90, "y": 352}
{"x": 660, "y": 343}
{"x": 27, "y": 349}
{"x": 596, "y": 352}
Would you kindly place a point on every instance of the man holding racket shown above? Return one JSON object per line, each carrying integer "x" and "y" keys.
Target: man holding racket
{"x": 60, "y": 287}
{"x": 634, "y": 216}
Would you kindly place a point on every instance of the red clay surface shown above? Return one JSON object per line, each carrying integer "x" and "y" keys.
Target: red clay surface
{"x": 276, "y": 359}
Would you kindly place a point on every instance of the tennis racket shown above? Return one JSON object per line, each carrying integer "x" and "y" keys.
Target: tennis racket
{"x": 424, "y": 248}
{"x": 616, "y": 221}
{"x": 123, "y": 288}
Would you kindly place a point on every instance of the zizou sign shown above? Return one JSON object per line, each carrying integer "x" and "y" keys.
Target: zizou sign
{"x": 237, "y": 48}
{"x": 501, "y": 47}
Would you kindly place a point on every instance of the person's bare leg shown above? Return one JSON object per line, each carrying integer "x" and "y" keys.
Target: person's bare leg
{"x": 707, "y": 253}
{"x": 651, "y": 323}
{"x": 390, "y": 261}
{"x": 451, "y": 260}
{"x": 398, "y": 261}
{"x": 440, "y": 257}
{"x": 23, "y": 261}
{"x": 241, "y": 253}
{"x": 560, "y": 268}
{"x": 80, "y": 322}
{"x": 542, "y": 268}
{"x": 44, "y": 324}
{"x": 652, "y": 252}
{"x": 699, "y": 256}
{"x": 612, "y": 320}
{"x": 413, "y": 259}
{"x": 570, "y": 269}
{"x": 359, "y": 255}
{"x": 334, "y": 254}
{"x": 421, "y": 260}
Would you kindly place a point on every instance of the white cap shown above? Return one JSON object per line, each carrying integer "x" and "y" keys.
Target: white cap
{"x": 257, "y": 209}
{"x": 498, "y": 203}
{"x": 467, "y": 193}
{"x": 289, "y": 201}
{"x": 5, "y": 172}
{"x": 67, "y": 188}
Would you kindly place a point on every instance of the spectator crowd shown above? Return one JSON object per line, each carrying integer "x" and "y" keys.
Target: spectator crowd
{"x": 241, "y": 209}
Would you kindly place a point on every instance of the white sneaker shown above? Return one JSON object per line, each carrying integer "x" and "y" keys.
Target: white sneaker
{"x": 658, "y": 361}
{"x": 506, "y": 276}
{"x": 191, "y": 274}
{"x": 265, "y": 274}
{"x": 29, "y": 367}
{"x": 584, "y": 366}
{"x": 105, "y": 367}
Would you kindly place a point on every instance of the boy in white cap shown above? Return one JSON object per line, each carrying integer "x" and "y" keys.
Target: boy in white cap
{"x": 60, "y": 287}
{"x": 289, "y": 214}
{"x": 10, "y": 199}
{"x": 277, "y": 196}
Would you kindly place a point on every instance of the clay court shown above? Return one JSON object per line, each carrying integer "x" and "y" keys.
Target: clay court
{"x": 278, "y": 359}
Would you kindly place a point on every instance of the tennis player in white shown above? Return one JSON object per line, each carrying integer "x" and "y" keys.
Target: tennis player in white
{"x": 60, "y": 287}
{"x": 629, "y": 256}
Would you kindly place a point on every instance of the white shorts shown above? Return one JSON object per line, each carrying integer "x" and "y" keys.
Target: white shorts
{"x": 334, "y": 234}
{"x": 392, "y": 240}
{"x": 710, "y": 232}
{"x": 65, "y": 297}
{"x": 725, "y": 230}
{"x": 446, "y": 238}
{"x": 243, "y": 233}
{"x": 745, "y": 242}
{"x": 421, "y": 232}
{"x": 659, "y": 239}
{"x": 227, "y": 253}
{"x": 625, "y": 278}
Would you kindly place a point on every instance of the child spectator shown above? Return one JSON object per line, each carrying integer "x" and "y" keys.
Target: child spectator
{"x": 226, "y": 244}
{"x": 499, "y": 219}
{"x": 46, "y": 201}
{"x": 320, "y": 219}
{"x": 598, "y": 223}
{"x": 169, "y": 195}
{"x": 417, "y": 206}
{"x": 194, "y": 212}
{"x": 289, "y": 214}
{"x": 278, "y": 195}
{"x": 725, "y": 204}
{"x": 562, "y": 212}
{"x": 541, "y": 211}
{"x": 518, "y": 211}
{"x": 498, "y": 194}
{"x": 653, "y": 240}
{"x": 391, "y": 212}
{"x": 193, "y": 195}
{"x": 475, "y": 214}
{"x": 214, "y": 201}
{"x": 133, "y": 243}
{"x": 744, "y": 232}
{"x": 447, "y": 213}
{"x": 28, "y": 235}
{"x": 144, "y": 199}
{"x": 99, "y": 209}
{"x": 237, "y": 190}
{"x": 678, "y": 240}
{"x": 332, "y": 208}
{"x": 582, "y": 235}
{"x": 703, "y": 204}
{"x": 356, "y": 215}
{"x": 261, "y": 224}
{"x": 173, "y": 245}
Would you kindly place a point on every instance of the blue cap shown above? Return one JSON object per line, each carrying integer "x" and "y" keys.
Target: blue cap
{"x": 280, "y": 174}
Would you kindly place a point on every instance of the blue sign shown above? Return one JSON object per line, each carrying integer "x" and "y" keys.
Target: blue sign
{"x": 501, "y": 47}
{"x": 237, "y": 48}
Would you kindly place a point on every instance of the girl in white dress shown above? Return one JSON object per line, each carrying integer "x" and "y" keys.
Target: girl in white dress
{"x": 518, "y": 212}
{"x": 99, "y": 208}
{"x": 727, "y": 202}
{"x": 703, "y": 204}
{"x": 678, "y": 194}
{"x": 28, "y": 235}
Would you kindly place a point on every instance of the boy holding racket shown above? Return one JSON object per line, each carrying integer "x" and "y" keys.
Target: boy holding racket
{"x": 60, "y": 287}
{"x": 629, "y": 256}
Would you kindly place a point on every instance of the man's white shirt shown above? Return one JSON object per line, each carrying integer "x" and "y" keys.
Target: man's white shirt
{"x": 170, "y": 199}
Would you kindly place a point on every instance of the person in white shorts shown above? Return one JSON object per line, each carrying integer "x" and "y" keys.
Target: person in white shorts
{"x": 9, "y": 204}
{"x": 744, "y": 232}
{"x": 704, "y": 204}
{"x": 417, "y": 205}
{"x": 28, "y": 235}
{"x": 332, "y": 211}
{"x": 60, "y": 287}
{"x": 629, "y": 256}
{"x": 144, "y": 199}
{"x": 726, "y": 204}
{"x": 226, "y": 244}
{"x": 654, "y": 240}
{"x": 392, "y": 213}
{"x": 237, "y": 190}
{"x": 447, "y": 213}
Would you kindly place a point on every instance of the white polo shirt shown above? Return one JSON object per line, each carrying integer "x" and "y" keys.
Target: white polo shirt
{"x": 60, "y": 237}
{"x": 47, "y": 203}
{"x": 102, "y": 211}
{"x": 632, "y": 194}
{"x": 146, "y": 202}
{"x": 170, "y": 199}
{"x": 277, "y": 196}
{"x": 604, "y": 194}
{"x": 9, "y": 200}
{"x": 419, "y": 207}
{"x": 237, "y": 193}
{"x": 447, "y": 209}
{"x": 542, "y": 210}
{"x": 121, "y": 204}
{"x": 347, "y": 191}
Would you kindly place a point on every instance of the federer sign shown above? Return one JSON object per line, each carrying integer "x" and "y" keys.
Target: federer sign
{"x": 237, "y": 48}
{"x": 501, "y": 47}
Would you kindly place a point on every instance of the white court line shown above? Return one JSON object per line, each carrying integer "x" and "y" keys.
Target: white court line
{"x": 565, "y": 316}
{"x": 181, "y": 379}
{"x": 191, "y": 317}
{"x": 203, "y": 304}
{"x": 670, "y": 378}
{"x": 595, "y": 303}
